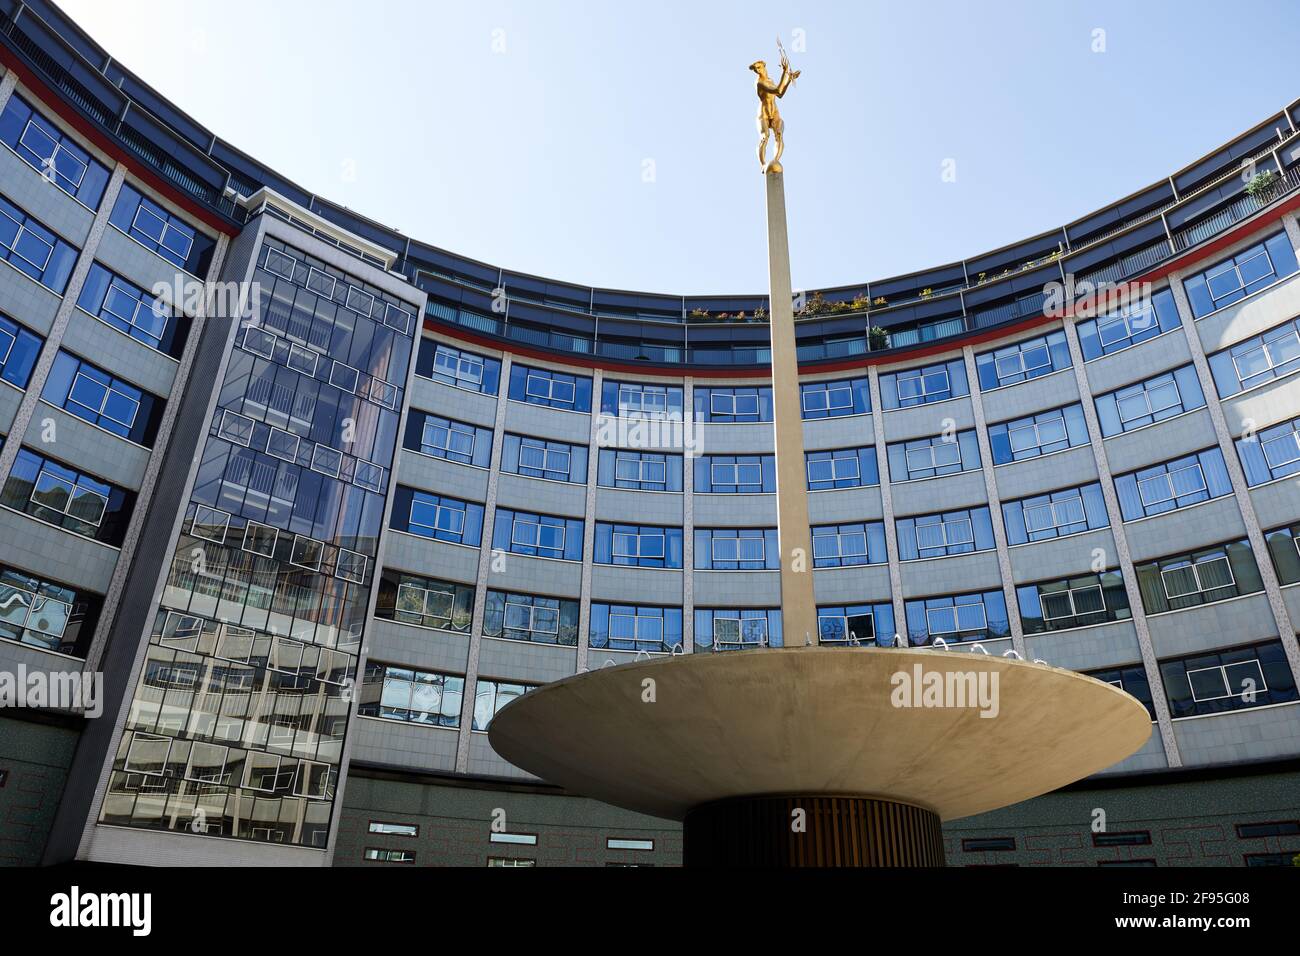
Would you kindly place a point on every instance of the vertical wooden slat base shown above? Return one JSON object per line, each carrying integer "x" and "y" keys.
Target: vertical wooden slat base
{"x": 831, "y": 831}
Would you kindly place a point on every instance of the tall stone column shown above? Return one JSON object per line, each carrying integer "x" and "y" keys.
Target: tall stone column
{"x": 798, "y": 606}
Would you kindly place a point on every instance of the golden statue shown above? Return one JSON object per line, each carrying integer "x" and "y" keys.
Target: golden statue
{"x": 769, "y": 118}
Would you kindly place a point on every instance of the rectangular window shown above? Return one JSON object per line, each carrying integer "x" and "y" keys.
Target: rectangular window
{"x": 636, "y": 400}
{"x": 958, "y": 619}
{"x": 553, "y": 389}
{"x": 735, "y": 474}
{"x": 542, "y": 536}
{"x": 1172, "y": 485}
{"x": 859, "y": 625}
{"x": 19, "y": 350}
{"x": 1022, "y": 361}
{"x": 531, "y": 617}
{"x": 52, "y": 153}
{"x": 382, "y": 855}
{"x": 628, "y": 627}
{"x": 137, "y": 313}
{"x": 70, "y": 499}
{"x": 1133, "y": 323}
{"x": 34, "y": 250}
{"x": 643, "y": 471}
{"x": 489, "y": 697}
{"x": 1073, "y": 602}
{"x": 621, "y": 843}
{"x": 394, "y": 829}
{"x": 540, "y": 458}
{"x": 737, "y": 629}
{"x": 736, "y": 549}
{"x": 1252, "y": 676}
{"x": 1238, "y": 276}
{"x": 940, "y": 535}
{"x": 1132, "y": 680}
{"x": 432, "y": 516}
{"x": 1263, "y": 358}
{"x": 843, "y": 468}
{"x": 848, "y": 545}
{"x": 457, "y": 368}
{"x": 932, "y": 457}
{"x": 921, "y": 386}
{"x": 1202, "y": 577}
{"x": 1038, "y": 435}
{"x": 1149, "y": 401}
{"x": 424, "y": 602}
{"x": 46, "y": 614}
{"x": 1056, "y": 514}
{"x": 631, "y": 545}
{"x": 159, "y": 231}
{"x": 733, "y": 405}
{"x": 418, "y": 697}
{"x": 835, "y": 399}
{"x": 95, "y": 396}
{"x": 1270, "y": 453}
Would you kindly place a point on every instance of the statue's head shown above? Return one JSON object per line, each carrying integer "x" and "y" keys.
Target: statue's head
{"x": 759, "y": 67}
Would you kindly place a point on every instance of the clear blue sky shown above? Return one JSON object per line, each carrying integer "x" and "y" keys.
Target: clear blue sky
{"x": 534, "y": 157}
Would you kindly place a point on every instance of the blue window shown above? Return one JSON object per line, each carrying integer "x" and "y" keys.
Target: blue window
{"x": 1153, "y": 400}
{"x": 437, "y": 516}
{"x": 458, "y": 368}
{"x": 1022, "y": 361}
{"x": 1055, "y": 514}
{"x": 939, "y": 535}
{"x": 540, "y": 536}
{"x": 1073, "y": 602}
{"x": 78, "y": 502}
{"x": 425, "y": 602}
{"x": 737, "y": 549}
{"x": 635, "y": 627}
{"x": 33, "y": 250}
{"x": 634, "y": 399}
{"x": 417, "y": 697}
{"x": 1271, "y": 453}
{"x": 45, "y": 148}
{"x": 735, "y": 474}
{"x": 542, "y": 458}
{"x": 94, "y": 395}
{"x": 539, "y": 386}
{"x": 958, "y": 619}
{"x": 19, "y": 350}
{"x": 158, "y": 230}
{"x": 1134, "y": 323}
{"x": 850, "y": 396}
{"x": 531, "y": 617}
{"x": 1188, "y": 580}
{"x": 856, "y": 624}
{"x": 921, "y": 386}
{"x": 736, "y": 629}
{"x": 448, "y": 439}
{"x": 130, "y": 309}
{"x": 930, "y": 457}
{"x": 1173, "y": 484}
{"x": 1037, "y": 435}
{"x": 47, "y": 614}
{"x": 1238, "y": 276}
{"x": 1257, "y": 360}
{"x": 844, "y": 468}
{"x": 848, "y": 545}
{"x": 637, "y": 546}
{"x": 490, "y": 696}
{"x": 1132, "y": 680}
{"x": 1252, "y": 676}
{"x": 644, "y": 471}
{"x": 751, "y": 404}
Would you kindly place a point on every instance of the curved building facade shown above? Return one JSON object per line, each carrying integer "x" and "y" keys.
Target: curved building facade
{"x": 315, "y": 523}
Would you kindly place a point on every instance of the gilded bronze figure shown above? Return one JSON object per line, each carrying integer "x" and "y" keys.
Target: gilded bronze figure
{"x": 769, "y": 117}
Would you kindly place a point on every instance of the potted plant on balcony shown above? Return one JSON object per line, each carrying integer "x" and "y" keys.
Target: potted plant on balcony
{"x": 700, "y": 315}
{"x": 1261, "y": 184}
{"x": 860, "y": 303}
{"x": 877, "y": 338}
